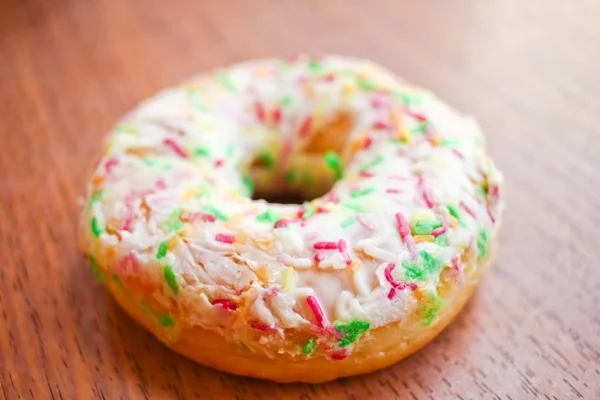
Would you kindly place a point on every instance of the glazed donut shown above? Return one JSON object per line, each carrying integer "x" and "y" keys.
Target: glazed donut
{"x": 401, "y": 215}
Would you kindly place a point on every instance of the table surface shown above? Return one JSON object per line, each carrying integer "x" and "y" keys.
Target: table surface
{"x": 528, "y": 70}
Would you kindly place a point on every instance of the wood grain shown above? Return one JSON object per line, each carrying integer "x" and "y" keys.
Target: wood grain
{"x": 527, "y": 69}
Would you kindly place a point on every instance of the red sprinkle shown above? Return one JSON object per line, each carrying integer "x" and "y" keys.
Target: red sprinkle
{"x": 113, "y": 162}
{"x": 343, "y": 248}
{"x": 467, "y": 209}
{"x": 223, "y": 238}
{"x": 458, "y": 154}
{"x": 175, "y": 147}
{"x": 285, "y": 222}
{"x": 260, "y": 111}
{"x": 325, "y": 246}
{"x": 368, "y": 142}
{"x": 305, "y": 127}
{"x": 367, "y": 174}
{"x": 393, "y": 190}
{"x": 339, "y": 355}
{"x": 259, "y": 326}
{"x": 426, "y": 193}
{"x": 491, "y": 216}
{"x": 394, "y": 283}
{"x": 382, "y": 125}
{"x": 319, "y": 257}
{"x": 218, "y": 163}
{"x": 224, "y": 303}
{"x": 416, "y": 115}
{"x": 208, "y": 217}
{"x": 403, "y": 227}
{"x": 455, "y": 264}
{"x": 493, "y": 190}
{"x": 277, "y": 115}
{"x": 313, "y": 303}
{"x": 438, "y": 231}
{"x": 128, "y": 223}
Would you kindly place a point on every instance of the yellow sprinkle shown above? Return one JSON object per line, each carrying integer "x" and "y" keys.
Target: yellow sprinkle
{"x": 172, "y": 243}
{"x": 262, "y": 274}
{"x": 453, "y": 222}
{"x": 355, "y": 266}
{"x": 288, "y": 279}
{"x": 423, "y": 238}
{"x": 191, "y": 193}
{"x": 397, "y": 122}
{"x": 422, "y": 215}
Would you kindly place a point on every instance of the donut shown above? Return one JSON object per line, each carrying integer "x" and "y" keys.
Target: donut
{"x": 398, "y": 218}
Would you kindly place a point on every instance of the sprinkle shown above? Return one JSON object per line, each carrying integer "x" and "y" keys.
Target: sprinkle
{"x": 367, "y": 174}
{"x": 426, "y": 193}
{"x": 113, "y": 162}
{"x": 96, "y": 230}
{"x": 162, "y": 250}
{"x": 166, "y": 321}
{"x": 343, "y": 249}
{"x": 276, "y": 115}
{"x": 467, "y": 209}
{"x": 347, "y": 222}
{"x": 207, "y": 217}
{"x": 173, "y": 222}
{"x": 268, "y": 216}
{"x": 458, "y": 153}
{"x": 308, "y": 213}
{"x": 422, "y": 127}
{"x": 491, "y": 216}
{"x": 96, "y": 196}
{"x": 290, "y": 177}
{"x": 217, "y": 213}
{"x": 438, "y": 231}
{"x": 95, "y": 269}
{"x": 352, "y": 331}
{"x": 425, "y": 227}
{"x": 430, "y": 264}
{"x": 282, "y": 223}
{"x": 171, "y": 279}
{"x": 259, "y": 326}
{"x": 315, "y": 67}
{"x": 305, "y": 127}
{"x": 175, "y": 147}
{"x": 218, "y": 163}
{"x": 393, "y": 190}
{"x": 423, "y": 238}
{"x": 332, "y": 160}
{"x": 309, "y": 346}
{"x": 339, "y": 355}
{"x": 377, "y": 160}
{"x": 365, "y": 224}
{"x": 380, "y": 125}
{"x": 288, "y": 279}
{"x": 362, "y": 192}
{"x": 313, "y": 303}
{"x": 441, "y": 240}
{"x": 201, "y": 151}
{"x": 454, "y": 212}
{"x": 482, "y": 244}
{"x": 223, "y": 238}
{"x": 259, "y": 108}
{"x": 365, "y": 84}
{"x": 286, "y": 101}
{"x": 429, "y": 313}
{"x": 325, "y": 246}
{"x": 395, "y": 284}
{"x": 227, "y": 304}
{"x": 412, "y": 271}
{"x": 403, "y": 226}
{"x": 225, "y": 80}
{"x": 354, "y": 207}
{"x": 319, "y": 257}
{"x": 249, "y": 185}
{"x": 267, "y": 159}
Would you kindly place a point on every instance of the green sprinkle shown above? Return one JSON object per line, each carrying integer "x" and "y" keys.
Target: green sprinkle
{"x": 125, "y": 128}
{"x": 172, "y": 223}
{"x": 162, "y": 250}
{"x": 454, "y": 212}
{"x": 315, "y": 67}
{"x": 412, "y": 271}
{"x": 95, "y": 268}
{"x": 332, "y": 160}
{"x": 309, "y": 212}
{"x": 430, "y": 312}
{"x": 267, "y": 159}
{"x": 230, "y": 150}
{"x": 355, "y": 207}
{"x": 201, "y": 151}
{"x": 290, "y": 177}
{"x": 425, "y": 227}
{"x": 309, "y": 346}
{"x": 347, "y": 222}
{"x": 225, "y": 80}
{"x": 269, "y": 216}
{"x": 482, "y": 244}
{"x": 352, "y": 331}
{"x": 117, "y": 280}
{"x": 368, "y": 166}
{"x": 96, "y": 230}
{"x": 366, "y": 85}
{"x": 157, "y": 163}
{"x": 362, "y": 192}
{"x": 422, "y": 127}
{"x": 216, "y": 212}
{"x": 286, "y": 101}
{"x": 451, "y": 142}
{"x": 405, "y": 98}
{"x": 249, "y": 185}
{"x": 430, "y": 263}
{"x": 166, "y": 321}
{"x": 171, "y": 279}
{"x": 96, "y": 195}
{"x": 441, "y": 240}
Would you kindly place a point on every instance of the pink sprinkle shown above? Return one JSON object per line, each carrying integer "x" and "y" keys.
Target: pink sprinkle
{"x": 458, "y": 154}
{"x": 403, "y": 227}
{"x": 332, "y": 197}
{"x": 339, "y": 355}
{"x": 161, "y": 184}
{"x": 325, "y": 246}
{"x": 426, "y": 193}
{"x": 412, "y": 247}
{"x": 467, "y": 209}
{"x": 455, "y": 263}
{"x": 131, "y": 261}
{"x": 418, "y": 116}
{"x": 368, "y": 142}
{"x": 259, "y": 326}
{"x": 367, "y": 174}
{"x": 282, "y": 223}
{"x": 305, "y": 127}
{"x": 491, "y": 216}
{"x": 277, "y": 115}
{"x": 493, "y": 190}
{"x": 313, "y": 303}
{"x": 319, "y": 257}
{"x": 343, "y": 248}
{"x": 438, "y": 231}
{"x": 175, "y": 147}
{"x": 382, "y": 125}
{"x": 207, "y": 217}
{"x": 379, "y": 100}
{"x": 260, "y": 111}
{"x": 391, "y": 293}
{"x": 113, "y": 162}
{"x": 393, "y": 190}
{"x": 223, "y": 238}
{"x": 320, "y": 209}
{"x": 396, "y": 285}
{"x": 399, "y": 178}
{"x": 388, "y": 274}
{"x": 365, "y": 224}
{"x": 218, "y": 163}
{"x": 301, "y": 212}
{"x": 224, "y": 303}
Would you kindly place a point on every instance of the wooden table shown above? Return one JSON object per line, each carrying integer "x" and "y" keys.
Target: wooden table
{"x": 529, "y": 70}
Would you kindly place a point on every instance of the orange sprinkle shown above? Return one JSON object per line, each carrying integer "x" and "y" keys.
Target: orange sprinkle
{"x": 172, "y": 243}
{"x": 423, "y": 238}
{"x": 397, "y": 122}
{"x": 262, "y": 274}
{"x": 110, "y": 254}
{"x": 97, "y": 181}
{"x": 355, "y": 266}
{"x": 453, "y": 222}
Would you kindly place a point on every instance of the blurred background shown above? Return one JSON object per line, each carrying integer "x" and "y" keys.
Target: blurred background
{"x": 527, "y": 70}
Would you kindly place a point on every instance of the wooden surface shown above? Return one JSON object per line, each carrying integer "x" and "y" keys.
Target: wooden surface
{"x": 529, "y": 70}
